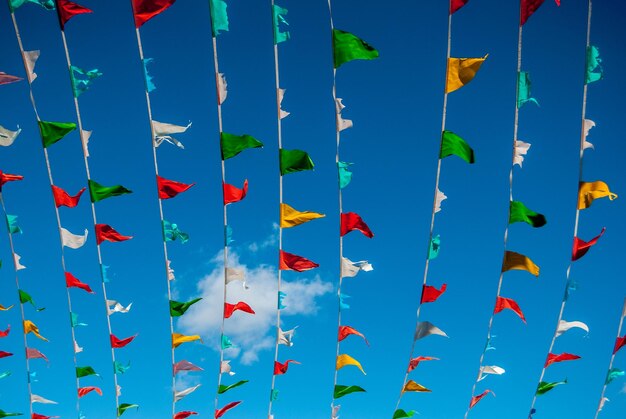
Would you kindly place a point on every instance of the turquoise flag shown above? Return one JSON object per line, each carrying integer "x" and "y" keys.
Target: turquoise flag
{"x": 281, "y": 297}
{"x": 219, "y": 17}
{"x": 119, "y": 368}
{"x": 12, "y": 224}
{"x": 82, "y": 79}
{"x": 46, "y": 4}
{"x": 594, "y": 70}
{"x": 150, "y": 87}
{"x": 274, "y": 395}
{"x": 345, "y": 175}
{"x": 171, "y": 232}
{"x": 342, "y": 302}
{"x": 226, "y": 342}
{"x": 74, "y": 320}
{"x": 278, "y": 14}
{"x": 523, "y": 90}
{"x": 433, "y": 249}
{"x": 613, "y": 374}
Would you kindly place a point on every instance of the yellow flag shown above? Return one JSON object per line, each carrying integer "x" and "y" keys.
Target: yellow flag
{"x": 413, "y": 386}
{"x": 461, "y": 71}
{"x": 29, "y": 327}
{"x": 3, "y": 308}
{"x": 520, "y": 262}
{"x": 343, "y": 360}
{"x": 178, "y": 339}
{"x": 290, "y": 217}
{"x": 588, "y": 191}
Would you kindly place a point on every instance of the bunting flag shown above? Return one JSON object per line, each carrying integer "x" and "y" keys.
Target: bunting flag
{"x": 620, "y": 342}
{"x": 402, "y": 414}
{"x": 508, "y": 303}
{"x": 290, "y": 217}
{"x": 118, "y": 368}
{"x": 46, "y": 4}
{"x": 99, "y": 192}
{"x": 3, "y": 308}
{"x": 476, "y": 399}
{"x": 350, "y": 269}
{"x": 73, "y": 241}
{"x": 431, "y": 294}
{"x": 83, "y": 391}
{"x": 351, "y": 221}
{"x": 424, "y": 329}
{"x": 581, "y": 247}
{"x": 593, "y": 69}
{"x": 219, "y": 16}
{"x": 4, "y": 354}
{"x": 12, "y": 224}
{"x": 461, "y": 71}
{"x": 169, "y": 188}
{"x": 30, "y": 327}
{"x": 232, "y": 145}
{"x": 108, "y": 233}
{"x": 222, "y": 87}
{"x": 523, "y": 90}
{"x": 220, "y": 412}
{"x": 178, "y": 339}
{"x": 589, "y": 191}
{"x": 184, "y": 415}
{"x": 125, "y": 406}
{"x": 82, "y": 79}
{"x": 177, "y": 309}
{"x": 34, "y": 398}
{"x": 412, "y": 386}
{"x": 115, "y": 307}
{"x": 144, "y": 10}
{"x": 440, "y": 197}
{"x": 587, "y": 125}
{"x": 552, "y": 358}
{"x": 32, "y": 353}
{"x": 414, "y": 362}
{"x": 455, "y": 5}
{"x": 225, "y": 368}
{"x": 85, "y": 372}
{"x": 342, "y": 302}
{"x": 517, "y": 261}
{"x": 434, "y": 246}
{"x": 286, "y": 337}
{"x": 234, "y": 274}
{"x": 282, "y": 113}
{"x": 341, "y": 390}
{"x": 452, "y": 144}
{"x": 291, "y": 262}
{"x": 72, "y": 282}
{"x": 345, "y": 331}
{"x": 4, "y": 414}
{"x": 564, "y": 326}
{"x": 281, "y": 297}
{"x": 612, "y": 374}
{"x": 521, "y": 149}
{"x": 347, "y": 47}
{"x": 149, "y": 80}
{"x": 51, "y": 132}
{"x": 341, "y": 123}
{"x": 179, "y": 395}
{"x": 345, "y": 175}
{"x": 185, "y": 366}
{"x": 280, "y": 369}
{"x": 7, "y": 137}
{"x": 544, "y": 386}
{"x": 68, "y": 10}
{"x": 518, "y": 212}
{"x": 229, "y": 309}
{"x": 345, "y": 359}
{"x": 74, "y": 320}
{"x": 120, "y": 343}
{"x": 233, "y": 194}
{"x": 8, "y": 79}
{"x": 226, "y": 342}
{"x": 292, "y": 161}
{"x": 18, "y": 265}
{"x": 527, "y": 8}
{"x": 163, "y": 132}
{"x": 5, "y": 333}
{"x": 63, "y": 199}
{"x": 278, "y": 17}
{"x": 5, "y": 177}
{"x": 490, "y": 369}
{"x": 26, "y": 298}
{"x": 171, "y": 232}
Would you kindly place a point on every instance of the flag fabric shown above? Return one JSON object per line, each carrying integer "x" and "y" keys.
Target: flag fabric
{"x": 12, "y": 224}
{"x": 148, "y": 79}
{"x": 351, "y": 221}
{"x": 224, "y": 388}
{"x": 424, "y": 329}
{"x": 340, "y": 122}
{"x": 345, "y": 331}
{"x": 581, "y": 247}
{"x": 26, "y": 298}
{"x": 508, "y": 303}
{"x": 74, "y": 320}
{"x": 290, "y": 217}
{"x": 341, "y": 390}
{"x": 73, "y": 241}
{"x": 490, "y": 369}
{"x": 3, "y": 308}
{"x": 280, "y": 369}
{"x": 5, "y": 177}
{"x": 178, "y": 339}
{"x": 120, "y": 343}
{"x": 620, "y": 342}
{"x": 4, "y": 414}
{"x": 5, "y": 333}
{"x": 4, "y": 354}
{"x": 51, "y": 132}
{"x": 85, "y": 371}
{"x": 527, "y": 8}
{"x": 412, "y": 386}
{"x": 34, "y": 398}
{"x": 278, "y": 17}
{"x": 434, "y": 247}
{"x": 119, "y": 368}
{"x": 345, "y": 359}
{"x": 68, "y": 10}
{"x": 30, "y": 327}
{"x": 7, "y": 137}
{"x": 350, "y": 269}
{"x": 292, "y": 161}
{"x": 589, "y": 191}
{"x": 402, "y": 414}
{"x": 63, "y": 199}
{"x": 517, "y": 261}
{"x": 83, "y": 391}
{"x": 594, "y": 70}
{"x": 144, "y": 10}
{"x": 431, "y": 294}
{"x": 219, "y": 16}
{"x": 233, "y": 194}
{"x": 171, "y": 232}
{"x": 281, "y": 297}
{"x": 285, "y": 337}
{"x": 99, "y": 192}
{"x": 184, "y": 415}
{"x": 115, "y": 307}
{"x": 38, "y": 416}
{"x": 108, "y": 233}
{"x": 455, "y": 5}
{"x": 414, "y": 362}
{"x": 179, "y": 395}
{"x": 222, "y": 88}
{"x": 452, "y": 144}
{"x": 282, "y": 113}
{"x": 291, "y": 262}
{"x": 225, "y": 368}
{"x": 544, "y": 386}
{"x": 226, "y": 342}
{"x": 521, "y": 149}
{"x": 8, "y": 79}
{"x": 177, "y": 309}
{"x": 46, "y": 4}
{"x": 476, "y": 399}
{"x": 232, "y": 144}
{"x": 439, "y": 198}
{"x": 72, "y": 282}
{"x": 564, "y": 326}
{"x": 220, "y": 412}
{"x": 552, "y": 358}
{"x": 82, "y": 79}
{"x": 185, "y": 366}
{"x": 347, "y": 47}
{"x": 461, "y": 71}
{"x": 163, "y": 132}
{"x": 523, "y": 90}
{"x": 229, "y": 309}
{"x": 235, "y": 274}
{"x": 587, "y": 125}
{"x": 169, "y": 188}
{"x": 125, "y": 406}
{"x": 345, "y": 175}
{"x": 612, "y": 374}
{"x": 518, "y": 212}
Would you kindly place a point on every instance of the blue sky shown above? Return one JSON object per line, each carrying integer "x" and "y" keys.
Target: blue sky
{"x": 395, "y": 103}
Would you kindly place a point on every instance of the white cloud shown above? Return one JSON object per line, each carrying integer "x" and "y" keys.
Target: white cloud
{"x": 271, "y": 240}
{"x": 250, "y": 333}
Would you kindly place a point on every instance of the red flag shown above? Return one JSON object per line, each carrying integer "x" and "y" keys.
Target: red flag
{"x": 68, "y": 10}
{"x": 72, "y": 281}
{"x": 234, "y": 194}
{"x": 345, "y": 331}
{"x": 145, "y": 10}
{"x": 185, "y": 366}
{"x": 502, "y": 303}
{"x": 413, "y": 363}
{"x": 476, "y": 399}
{"x": 291, "y": 262}
{"x": 169, "y": 188}
{"x": 229, "y": 309}
{"x": 63, "y": 199}
{"x": 38, "y": 416}
{"x": 5, "y": 333}
{"x": 280, "y": 369}
{"x": 32, "y": 353}
{"x": 456, "y": 5}
{"x": 352, "y": 221}
{"x": 552, "y": 358}
{"x": 430, "y": 294}
{"x": 619, "y": 343}
{"x": 5, "y": 177}
{"x": 184, "y": 415}
{"x": 220, "y": 412}
{"x": 5, "y": 354}
{"x": 527, "y": 8}
{"x": 120, "y": 343}
{"x": 83, "y": 391}
{"x": 581, "y": 247}
{"x": 108, "y": 233}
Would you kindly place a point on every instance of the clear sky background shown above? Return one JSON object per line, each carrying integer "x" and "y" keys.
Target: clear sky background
{"x": 395, "y": 103}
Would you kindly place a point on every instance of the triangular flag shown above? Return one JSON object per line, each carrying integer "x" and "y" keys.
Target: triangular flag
{"x": 290, "y": 217}
{"x": 518, "y": 212}
{"x": 278, "y": 17}
{"x": 224, "y": 388}
{"x": 7, "y": 137}
{"x": 179, "y": 395}
{"x": 341, "y": 390}
{"x": 440, "y": 197}
{"x": 414, "y": 362}
{"x": 564, "y": 326}
{"x": 424, "y": 329}
{"x": 291, "y": 262}
{"x": 517, "y": 261}
{"x": 233, "y": 194}
{"x": 63, "y": 199}
{"x": 527, "y": 8}
{"x": 178, "y": 309}
{"x": 345, "y": 331}
{"x": 508, "y": 303}
{"x": 345, "y": 359}
{"x": 225, "y": 368}
{"x": 594, "y": 70}
{"x": 83, "y": 391}
{"x": 85, "y": 372}
{"x": 51, "y": 132}
{"x": 347, "y": 47}
{"x": 281, "y": 95}
{"x": 30, "y": 59}
{"x": 68, "y": 10}
{"x": 5, "y": 177}
{"x": 163, "y": 132}
{"x": 490, "y": 369}
{"x": 350, "y": 269}
{"x": 229, "y": 309}
{"x": 587, "y": 125}
{"x": 108, "y": 233}
{"x": 34, "y": 398}
{"x": 8, "y": 79}
{"x": 351, "y": 221}
{"x": 149, "y": 80}
{"x": 144, "y": 10}
{"x": 461, "y": 71}
{"x": 232, "y": 144}
{"x": 286, "y": 337}
{"x": 544, "y": 386}
{"x": 222, "y": 88}
{"x": 431, "y": 294}
{"x": 402, "y": 414}
{"x": 219, "y": 17}
{"x": 220, "y": 412}
{"x": 523, "y": 89}
{"x": 552, "y": 358}
{"x": 169, "y": 188}
{"x": 185, "y": 366}
{"x": 72, "y": 281}
{"x": 99, "y": 192}
{"x": 82, "y": 79}
{"x": 73, "y": 241}
{"x": 476, "y": 399}
{"x": 581, "y": 247}
{"x": 589, "y": 191}
{"x": 521, "y": 149}
{"x": 292, "y": 161}
{"x": 178, "y": 339}
{"x": 30, "y": 327}
{"x": 115, "y": 307}
{"x": 455, "y": 5}
{"x": 120, "y": 343}
{"x": 412, "y": 386}
{"x": 125, "y": 406}
{"x": 620, "y": 342}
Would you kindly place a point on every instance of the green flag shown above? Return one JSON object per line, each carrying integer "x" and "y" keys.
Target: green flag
{"x": 4, "y": 414}
{"x": 594, "y": 69}
{"x": 292, "y": 161}
{"x": 518, "y": 212}
{"x": 523, "y": 90}
{"x": 347, "y": 47}
{"x": 219, "y": 17}
{"x": 224, "y": 388}
{"x": 278, "y": 15}
{"x": 124, "y": 407}
{"x": 85, "y": 372}
{"x": 178, "y": 309}
{"x": 99, "y": 192}
{"x": 453, "y": 144}
{"x": 234, "y": 144}
{"x": 341, "y": 391}
{"x": 545, "y": 386}
{"x": 26, "y": 298}
{"x": 51, "y": 132}
{"x": 401, "y": 414}
{"x": 119, "y": 368}
{"x": 12, "y": 224}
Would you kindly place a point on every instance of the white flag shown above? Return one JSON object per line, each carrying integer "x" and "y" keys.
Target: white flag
{"x": 115, "y": 307}
{"x": 335, "y": 412}
{"x": 163, "y": 132}
{"x": 30, "y": 58}
{"x": 286, "y": 337}
{"x": 602, "y": 402}
{"x": 225, "y": 368}
{"x": 234, "y": 274}
{"x": 118, "y": 390}
{"x": 73, "y": 241}
{"x": 490, "y": 369}
{"x": 7, "y": 136}
{"x": 179, "y": 395}
{"x": 564, "y": 326}
{"x": 170, "y": 271}
{"x": 281, "y": 95}
{"x": 424, "y": 329}
{"x": 77, "y": 349}
{"x": 222, "y": 86}
{"x": 18, "y": 265}
{"x": 341, "y": 123}
{"x": 84, "y": 138}
{"x": 350, "y": 269}
{"x": 521, "y": 148}
{"x": 440, "y": 198}
{"x": 587, "y": 125}
{"x": 38, "y": 399}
